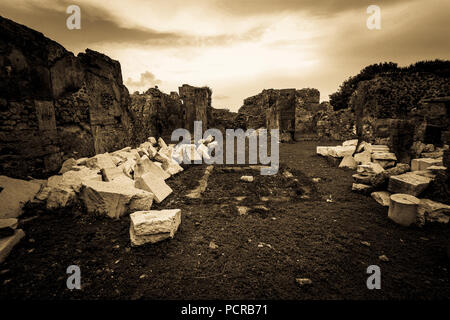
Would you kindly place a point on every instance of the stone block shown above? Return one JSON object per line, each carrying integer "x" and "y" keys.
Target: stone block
{"x": 362, "y": 188}
{"x": 382, "y": 197}
{"x": 363, "y": 157}
{"x": 153, "y": 226}
{"x": 370, "y": 168}
{"x": 154, "y": 184}
{"x": 348, "y": 162}
{"x": 403, "y": 209}
{"x": 408, "y": 183}
{"x": 114, "y": 200}
{"x": 14, "y": 195}
{"x": 424, "y": 163}
{"x": 100, "y": 161}
{"x": 145, "y": 165}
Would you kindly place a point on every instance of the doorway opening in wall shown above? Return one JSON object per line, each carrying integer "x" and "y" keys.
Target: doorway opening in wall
{"x": 433, "y": 135}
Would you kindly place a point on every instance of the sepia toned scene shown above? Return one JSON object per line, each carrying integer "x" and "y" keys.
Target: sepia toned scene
{"x": 224, "y": 150}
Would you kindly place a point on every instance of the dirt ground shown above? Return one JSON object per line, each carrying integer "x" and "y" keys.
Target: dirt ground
{"x": 291, "y": 231}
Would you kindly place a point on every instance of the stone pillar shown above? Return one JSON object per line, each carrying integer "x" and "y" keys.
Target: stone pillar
{"x": 403, "y": 209}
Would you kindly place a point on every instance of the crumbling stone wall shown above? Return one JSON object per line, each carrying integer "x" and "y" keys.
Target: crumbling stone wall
{"x": 290, "y": 110}
{"x": 334, "y": 125}
{"x": 223, "y": 119}
{"x": 55, "y": 105}
{"x": 196, "y": 103}
{"x": 155, "y": 113}
{"x": 396, "y": 111}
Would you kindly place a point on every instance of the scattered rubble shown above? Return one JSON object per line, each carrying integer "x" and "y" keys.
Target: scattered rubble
{"x": 247, "y": 178}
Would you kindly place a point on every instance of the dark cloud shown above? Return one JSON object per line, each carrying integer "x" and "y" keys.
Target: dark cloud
{"x": 146, "y": 80}
{"x": 98, "y": 26}
{"x": 312, "y": 7}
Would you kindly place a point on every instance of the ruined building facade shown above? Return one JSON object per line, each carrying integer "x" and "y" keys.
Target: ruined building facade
{"x": 292, "y": 111}
{"x": 55, "y": 105}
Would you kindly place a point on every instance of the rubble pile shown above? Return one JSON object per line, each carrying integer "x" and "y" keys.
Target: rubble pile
{"x": 391, "y": 183}
{"x": 126, "y": 181}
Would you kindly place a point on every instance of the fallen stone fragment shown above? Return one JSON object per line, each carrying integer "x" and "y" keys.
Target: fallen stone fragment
{"x": 7, "y": 244}
{"x": 242, "y": 210}
{"x": 247, "y": 178}
{"x": 153, "y": 226}
{"x": 433, "y": 155}
{"x": 341, "y": 151}
{"x": 382, "y": 197}
{"x": 212, "y": 245}
{"x": 145, "y": 165}
{"x": 378, "y": 148}
{"x": 364, "y": 179}
{"x": 362, "y": 188}
{"x": 60, "y": 196}
{"x": 114, "y": 200}
{"x": 348, "y": 162}
{"x": 100, "y": 161}
{"x": 303, "y": 281}
{"x": 7, "y": 227}
{"x": 152, "y": 140}
{"x": 14, "y": 195}
{"x": 370, "y": 168}
{"x": 109, "y": 174}
{"x": 287, "y": 174}
{"x": 363, "y": 157}
{"x": 386, "y": 156}
{"x": 383, "y": 258}
{"x": 408, "y": 183}
{"x": 154, "y": 184}
{"x": 425, "y": 173}
{"x": 437, "y": 169}
{"x": 433, "y": 211}
{"x": 323, "y": 151}
{"x": 403, "y": 209}
{"x": 424, "y": 163}
{"x": 365, "y": 243}
{"x": 68, "y": 165}
{"x": 162, "y": 143}
{"x": 382, "y": 178}
{"x": 385, "y": 164}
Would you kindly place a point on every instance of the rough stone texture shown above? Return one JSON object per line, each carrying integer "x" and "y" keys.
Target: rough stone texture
{"x": 400, "y": 116}
{"x": 154, "y": 184}
{"x": 408, "y": 183}
{"x": 153, "y": 226}
{"x": 196, "y": 102}
{"x": 114, "y": 199}
{"x": 56, "y": 104}
{"x": 424, "y": 163}
{"x": 381, "y": 179}
{"x": 7, "y": 244}
{"x": 348, "y": 162}
{"x": 382, "y": 197}
{"x": 290, "y": 110}
{"x": 403, "y": 209}
{"x": 14, "y": 195}
{"x": 362, "y": 188}
{"x": 433, "y": 211}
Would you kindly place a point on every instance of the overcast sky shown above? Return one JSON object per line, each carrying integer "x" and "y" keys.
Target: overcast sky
{"x": 240, "y": 47}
